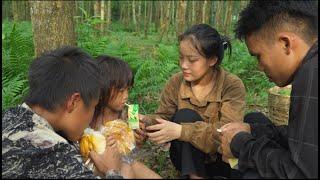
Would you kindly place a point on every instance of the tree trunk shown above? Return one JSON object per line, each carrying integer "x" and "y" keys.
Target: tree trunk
{"x": 173, "y": 17}
{"x": 52, "y": 25}
{"x": 204, "y": 11}
{"x": 102, "y": 15}
{"x": 139, "y": 13}
{"x": 97, "y": 9}
{"x": 228, "y": 18}
{"x": 89, "y": 8}
{"x": 134, "y": 18}
{"x": 108, "y": 18}
{"x": 6, "y": 10}
{"x": 181, "y": 13}
{"x": 19, "y": 10}
{"x": 157, "y": 14}
{"x": 166, "y": 22}
{"x": 218, "y": 15}
{"x": 146, "y": 21}
{"x": 199, "y": 10}
{"x": 193, "y": 11}
{"x": 128, "y": 16}
{"x": 151, "y": 13}
{"x": 121, "y": 12}
{"x": 27, "y": 11}
{"x": 161, "y": 13}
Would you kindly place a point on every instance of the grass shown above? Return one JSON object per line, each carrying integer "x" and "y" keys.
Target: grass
{"x": 152, "y": 62}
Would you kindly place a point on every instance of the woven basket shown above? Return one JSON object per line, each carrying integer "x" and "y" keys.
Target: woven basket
{"x": 278, "y": 105}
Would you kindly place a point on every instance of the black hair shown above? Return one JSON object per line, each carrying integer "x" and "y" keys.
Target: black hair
{"x": 208, "y": 42}
{"x": 56, "y": 75}
{"x": 116, "y": 74}
{"x": 268, "y": 16}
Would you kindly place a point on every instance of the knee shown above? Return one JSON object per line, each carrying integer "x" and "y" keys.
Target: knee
{"x": 186, "y": 115}
{"x": 256, "y": 117}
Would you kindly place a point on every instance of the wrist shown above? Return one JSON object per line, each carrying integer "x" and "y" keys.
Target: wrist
{"x": 179, "y": 129}
{"x": 127, "y": 159}
{"x": 112, "y": 173}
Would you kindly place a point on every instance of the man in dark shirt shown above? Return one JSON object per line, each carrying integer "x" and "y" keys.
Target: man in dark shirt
{"x": 283, "y": 36}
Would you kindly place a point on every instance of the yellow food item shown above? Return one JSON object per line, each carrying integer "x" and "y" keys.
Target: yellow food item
{"x": 122, "y": 133}
{"x": 233, "y": 162}
{"x": 92, "y": 140}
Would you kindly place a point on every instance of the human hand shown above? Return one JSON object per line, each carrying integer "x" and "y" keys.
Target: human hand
{"x": 165, "y": 131}
{"x": 110, "y": 159}
{"x": 140, "y": 135}
{"x": 228, "y": 132}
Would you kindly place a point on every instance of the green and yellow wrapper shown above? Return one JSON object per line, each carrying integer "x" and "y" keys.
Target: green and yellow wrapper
{"x": 133, "y": 116}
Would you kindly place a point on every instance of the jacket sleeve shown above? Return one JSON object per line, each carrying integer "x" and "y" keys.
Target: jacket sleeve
{"x": 203, "y": 135}
{"x": 264, "y": 154}
{"x": 278, "y": 134}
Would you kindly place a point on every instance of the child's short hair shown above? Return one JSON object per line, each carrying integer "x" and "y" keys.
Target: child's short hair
{"x": 56, "y": 75}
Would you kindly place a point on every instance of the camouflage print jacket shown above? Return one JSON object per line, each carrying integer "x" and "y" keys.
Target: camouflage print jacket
{"x": 32, "y": 149}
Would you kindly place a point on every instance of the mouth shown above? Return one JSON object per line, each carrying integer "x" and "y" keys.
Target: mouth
{"x": 186, "y": 74}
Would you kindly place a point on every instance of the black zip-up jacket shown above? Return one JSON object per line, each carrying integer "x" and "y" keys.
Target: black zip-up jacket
{"x": 287, "y": 151}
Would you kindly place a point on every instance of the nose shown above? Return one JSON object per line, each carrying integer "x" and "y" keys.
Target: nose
{"x": 125, "y": 96}
{"x": 183, "y": 64}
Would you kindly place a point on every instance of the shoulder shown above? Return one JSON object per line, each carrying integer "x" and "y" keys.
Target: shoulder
{"x": 231, "y": 86}
{"x": 17, "y": 119}
{"x": 231, "y": 80}
{"x": 174, "y": 83}
{"x": 176, "y": 78}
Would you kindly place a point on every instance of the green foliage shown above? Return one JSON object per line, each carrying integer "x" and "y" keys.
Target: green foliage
{"x": 13, "y": 90}
{"x": 152, "y": 63}
{"x": 17, "y": 52}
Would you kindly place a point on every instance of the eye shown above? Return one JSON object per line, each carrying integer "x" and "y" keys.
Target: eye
{"x": 192, "y": 60}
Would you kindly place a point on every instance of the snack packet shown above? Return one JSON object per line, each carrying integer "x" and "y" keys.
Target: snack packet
{"x": 123, "y": 135}
{"x": 133, "y": 116}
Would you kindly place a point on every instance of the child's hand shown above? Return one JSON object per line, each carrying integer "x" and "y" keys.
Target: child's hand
{"x": 140, "y": 135}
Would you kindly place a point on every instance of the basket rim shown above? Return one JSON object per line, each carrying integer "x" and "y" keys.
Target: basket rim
{"x": 271, "y": 90}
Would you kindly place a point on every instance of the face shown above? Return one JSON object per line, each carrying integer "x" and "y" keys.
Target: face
{"x": 77, "y": 117}
{"x": 276, "y": 59}
{"x": 119, "y": 98}
{"x": 193, "y": 65}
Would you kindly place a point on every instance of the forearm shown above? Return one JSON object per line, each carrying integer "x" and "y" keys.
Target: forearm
{"x": 276, "y": 133}
{"x": 267, "y": 156}
{"x": 201, "y": 135}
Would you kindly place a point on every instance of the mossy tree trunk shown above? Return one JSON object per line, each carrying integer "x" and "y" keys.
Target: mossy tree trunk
{"x": 52, "y": 24}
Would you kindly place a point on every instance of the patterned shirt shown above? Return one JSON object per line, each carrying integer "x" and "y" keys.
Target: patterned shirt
{"x": 32, "y": 149}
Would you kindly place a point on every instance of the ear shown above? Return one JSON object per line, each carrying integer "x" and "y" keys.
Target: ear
{"x": 286, "y": 42}
{"x": 213, "y": 61}
{"x": 73, "y": 102}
